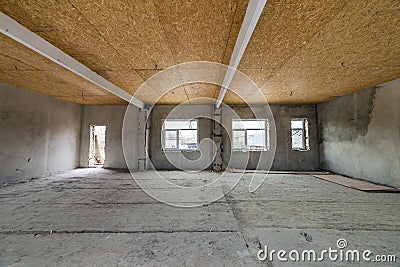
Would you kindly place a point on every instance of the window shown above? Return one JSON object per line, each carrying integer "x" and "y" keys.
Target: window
{"x": 300, "y": 139}
{"x": 180, "y": 135}
{"x": 250, "y": 135}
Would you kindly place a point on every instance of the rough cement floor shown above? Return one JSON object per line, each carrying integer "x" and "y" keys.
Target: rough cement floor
{"x": 101, "y": 217}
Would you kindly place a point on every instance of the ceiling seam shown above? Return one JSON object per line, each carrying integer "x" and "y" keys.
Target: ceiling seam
{"x": 34, "y": 68}
{"x": 104, "y": 38}
{"x": 140, "y": 76}
{"x": 169, "y": 46}
{"x": 226, "y": 45}
{"x": 306, "y": 42}
{"x": 253, "y": 14}
{"x": 229, "y": 35}
{"x": 101, "y": 35}
{"x": 146, "y": 69}
{"x": 164, "y": 35}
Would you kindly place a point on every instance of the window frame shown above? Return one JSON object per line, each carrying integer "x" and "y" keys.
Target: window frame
{"x": 177, "y": 131}
{"x": 305, "y": 134}
{"x": 245, "y": 130}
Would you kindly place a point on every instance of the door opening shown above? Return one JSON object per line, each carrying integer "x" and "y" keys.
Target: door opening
{"x": 97, "y": 145}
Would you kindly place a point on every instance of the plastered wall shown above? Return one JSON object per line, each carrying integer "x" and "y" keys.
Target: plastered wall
{"x": 159, "y": 158}
{"x": 285, "y": 157}
{"x": 112, "y": 117}
{"x": 38, "y": 134}
{"x": 360, "y": 134}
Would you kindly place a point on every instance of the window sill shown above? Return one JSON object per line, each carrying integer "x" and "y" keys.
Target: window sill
{"x": 243, "y": 150}
{"x": 180, "y": 150}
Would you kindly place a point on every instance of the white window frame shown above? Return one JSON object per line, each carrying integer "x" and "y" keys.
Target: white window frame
{"x": 163, "y": 131}
{"x": 305, "y": 133}
{"x": 247, "y": 149}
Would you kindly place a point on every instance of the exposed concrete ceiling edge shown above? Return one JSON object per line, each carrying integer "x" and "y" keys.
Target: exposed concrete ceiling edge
{"x": 253, "y": 13}
{"x": 19, "y": 33}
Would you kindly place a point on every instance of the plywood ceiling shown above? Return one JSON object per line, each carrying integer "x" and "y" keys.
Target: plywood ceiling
{"x": 22, "y": 67}
{"x": 323, "y": 49}
{"x": 300, "y": 52}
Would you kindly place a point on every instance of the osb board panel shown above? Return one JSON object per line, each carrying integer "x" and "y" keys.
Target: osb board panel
{"x": 25, "y": 59}
{"x": 146, "y": 73}
{"x": 47, "y": 77}
{"x": 240, "y": 12}
{"x": 231, "y": 98}
{"x": 283, "y": 28}
{"x": 8, "y": 63}
{"x": 146, "y": 34}
{"x": 94, "y": 100}
{"x": 258, "y": 75}
{"x": 115, "y": 38}
{"x": 13, "y": 50}
{"x": 197, "y": 29}
{"x": 200, "y": 101}
{"x": 365, "y": 33}
{"x": 356, "y": 184}
{"x": 132, "y": 28}
{"x": 186, "y": 75}
{"x": 60, "y": 23}
{"x": 196, "y": 90}
{"x": 48, "y": 84}
{"x": 174, "y": 97}
{"x": 34, "y": 80}
{"x": 359, "y": 48}
{"x": 148, "y": 98}
{"x": 126, "y": 38}
{"x": 311, "y": 85}
{"x": 129, "y": 80}
{"x": 301, "y": 51}
{"x": 242, "y": 83}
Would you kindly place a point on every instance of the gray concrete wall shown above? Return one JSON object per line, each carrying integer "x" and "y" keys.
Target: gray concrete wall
{"x": 158, "y": 157}
{"x": 38, "y": 134}
{"x": 285, "y": 158}
{"x": 112, "y": 117}
{"x": 360, "y": 134}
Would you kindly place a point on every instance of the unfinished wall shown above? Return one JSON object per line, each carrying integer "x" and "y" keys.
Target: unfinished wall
{"x": 360, "y": 134}
{"x": 159, "y": 158}
{"x": 112, "y": 117}
{"x": 38, "y": 134}
{"x": 285, "y": 157}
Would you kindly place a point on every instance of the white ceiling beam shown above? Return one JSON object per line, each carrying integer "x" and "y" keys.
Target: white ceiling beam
{"x": 19, "y": 33}
{"x": 253, "y": 13}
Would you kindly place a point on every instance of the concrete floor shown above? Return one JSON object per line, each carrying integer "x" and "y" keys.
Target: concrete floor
{"x": 101, "y": 217}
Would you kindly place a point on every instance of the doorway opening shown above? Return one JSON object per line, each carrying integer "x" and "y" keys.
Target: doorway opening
{"x": 97, "y": 145}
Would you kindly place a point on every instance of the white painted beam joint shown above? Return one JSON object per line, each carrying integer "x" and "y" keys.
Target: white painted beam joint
{"x": 253, "y": 13}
